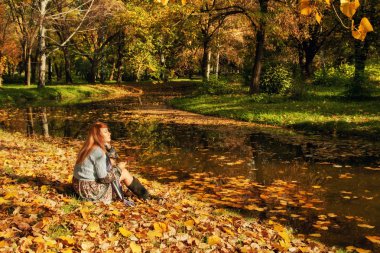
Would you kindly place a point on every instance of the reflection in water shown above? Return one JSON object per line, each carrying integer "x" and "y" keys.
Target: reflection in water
{"x": 29, "y": 122}
{"x": 44, "y": 122}
{"x": 259, "y": 175}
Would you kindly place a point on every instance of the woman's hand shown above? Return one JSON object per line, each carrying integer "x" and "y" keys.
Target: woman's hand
{"x": 122, "y": 165}
{"x": 125, "y": 177}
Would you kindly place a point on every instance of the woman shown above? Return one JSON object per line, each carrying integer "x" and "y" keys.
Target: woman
{"x": 94, "y": 172}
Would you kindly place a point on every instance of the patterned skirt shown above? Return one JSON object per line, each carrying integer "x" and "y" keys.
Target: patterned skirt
{"x": 96, "y": 191}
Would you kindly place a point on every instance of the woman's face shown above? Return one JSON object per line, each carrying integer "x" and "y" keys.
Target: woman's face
{"x": 106, "y": 134}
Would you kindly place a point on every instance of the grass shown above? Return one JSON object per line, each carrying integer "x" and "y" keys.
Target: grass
{"x": 11, "y": 95}
{"x": 324, "y": 110}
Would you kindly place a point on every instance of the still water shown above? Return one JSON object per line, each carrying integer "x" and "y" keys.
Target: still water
{"x": 322, "y": 187}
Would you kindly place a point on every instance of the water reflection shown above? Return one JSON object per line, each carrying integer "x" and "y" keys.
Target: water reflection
{"x": 295, "y": 182}
{"x": 30, "y": 116}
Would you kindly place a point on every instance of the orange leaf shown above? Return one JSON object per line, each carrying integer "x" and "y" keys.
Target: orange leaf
{"x": 374, "y": 239}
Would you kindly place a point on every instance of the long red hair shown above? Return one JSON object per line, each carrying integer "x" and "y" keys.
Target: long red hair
{"x": 94, "y": 138}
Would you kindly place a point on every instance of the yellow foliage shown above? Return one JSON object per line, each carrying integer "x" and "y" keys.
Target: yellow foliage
{"x": 364, "y": 27}
{"x": 305, "y": 7}
{"x": 154, "y": 233}
{"x": 67, "y": 240}
{"x": 135, "y": 247}
{"x": 318, "y": 17}
{"x": 160, "y": 227}
{"x": 349, "y": 7}
{"x": 213, "y": 240}
{"x": 125, "y": 232}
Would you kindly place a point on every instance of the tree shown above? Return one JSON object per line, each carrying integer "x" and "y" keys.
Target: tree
{"x": 9, "y": 53}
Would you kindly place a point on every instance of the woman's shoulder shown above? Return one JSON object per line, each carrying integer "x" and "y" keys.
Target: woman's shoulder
{"x": 97, "y": 152}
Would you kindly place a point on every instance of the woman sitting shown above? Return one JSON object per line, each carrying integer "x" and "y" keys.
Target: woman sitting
{"x": 95, "y": 178}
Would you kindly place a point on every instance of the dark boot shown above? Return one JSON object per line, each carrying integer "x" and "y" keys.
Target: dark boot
{"x": 138, "y": 189}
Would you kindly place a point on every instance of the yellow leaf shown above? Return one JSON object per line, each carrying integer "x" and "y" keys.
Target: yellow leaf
{"x": 3, "y": 201}
{"x": 39, "y": 240}
{"x": 374, "y": 239}
{"x": 214, "y": 239}
{"x": 328, "y": 2}
{"x": 228, "y": 231}
{"x": 183, "y": 2}
{"x": 315, "y": 235}
{"x": 284, "y": 236}
{"x": 67, "y": 250}
{"x": 360, "y": 250}
{"x": 154, "y": 233}
{"x": 164, "y": 2}
{"x": 125, "y": 232}
{"x": 189, "y": 224}
{"x": 285, "y": 244}
{"x": 93, "y": 227}
{"x": 160, "y": 226}
{"x": 44, "y": 189}
{"x": 135, "y": 247}
{"x": 305, "y": 7}
{"x": 67, "y": 240}
{"x": 318, "y": 17}
{"x": 349, "y": 7}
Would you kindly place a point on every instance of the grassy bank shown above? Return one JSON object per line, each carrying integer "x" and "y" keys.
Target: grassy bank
{"x": 39, "y": 212}
{"x": 20, "y": 95}
{"x": 324, "y": 111}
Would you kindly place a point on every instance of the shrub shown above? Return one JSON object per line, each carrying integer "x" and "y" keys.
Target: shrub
{"x": 334, "y": 76}
{"x": 276, "y": 80}
{"x": 215, "y": 87}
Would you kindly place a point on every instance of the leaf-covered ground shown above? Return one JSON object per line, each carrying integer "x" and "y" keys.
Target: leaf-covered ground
{"x": 39, "y": 213}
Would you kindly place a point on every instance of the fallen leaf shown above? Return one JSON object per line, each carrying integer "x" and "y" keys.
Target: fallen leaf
{"x": 214, "y": 239}
{"x": 135, "y": 247}
{"x": 125, "y": 232}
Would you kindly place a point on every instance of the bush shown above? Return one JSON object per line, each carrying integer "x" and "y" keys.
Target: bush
{"x": 215, "y": 87}
{"x": 334, "y": 76}
{"x": 276, "y": 80}
{"x": 13, "y": 79}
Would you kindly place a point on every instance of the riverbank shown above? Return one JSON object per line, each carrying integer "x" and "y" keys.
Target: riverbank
{"x": 39, "y": 212}
{"x": 57, "y": 95}
{"x": 323, "y": 111}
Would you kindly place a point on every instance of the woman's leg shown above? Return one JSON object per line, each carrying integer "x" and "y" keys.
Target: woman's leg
{"x": 134, "y": 185}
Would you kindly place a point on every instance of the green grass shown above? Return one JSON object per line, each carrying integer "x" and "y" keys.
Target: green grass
{"x": 324, "y": 110}
{"x": 11, "y": 95}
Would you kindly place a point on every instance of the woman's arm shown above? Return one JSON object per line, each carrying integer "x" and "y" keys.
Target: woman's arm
{"x": 100, "y": 166}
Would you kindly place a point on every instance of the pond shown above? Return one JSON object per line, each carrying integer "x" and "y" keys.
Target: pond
{"x": 324, "y": 188}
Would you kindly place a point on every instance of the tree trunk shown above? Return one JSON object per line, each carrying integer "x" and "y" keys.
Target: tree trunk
{"x": 27, "y": 66}
{"x": 205, "y": 58}
{"x": 257, "y": 66}
{"x": 42, "y": 46}
{"x": 66, "y": 56}
{"x": 50, "y": 71}
{"x": 208, "y": 69}
{"x": 217, "y": 64}
{"x": 357, "y": 85}
{"x": 112, "y": 70}
{"x": 254, "y": 87}
{"x": 58, "y": 72}
{"x": 33, "y": 67}
{"x": 93, "y": 71}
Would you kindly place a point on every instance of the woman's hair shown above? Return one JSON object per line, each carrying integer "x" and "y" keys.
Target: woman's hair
{"x": 94, "y": 138}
